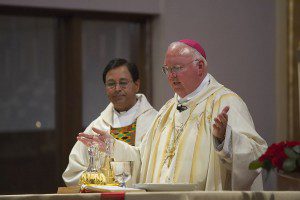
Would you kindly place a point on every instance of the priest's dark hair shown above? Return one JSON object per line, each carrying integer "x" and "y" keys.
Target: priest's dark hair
{"x": 117, "y": 62}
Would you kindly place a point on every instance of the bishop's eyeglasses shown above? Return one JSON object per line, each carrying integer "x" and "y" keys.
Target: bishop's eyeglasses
{"x": 175, "y": 69}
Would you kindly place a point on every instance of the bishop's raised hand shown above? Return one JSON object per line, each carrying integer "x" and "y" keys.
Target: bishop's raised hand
{"x": 220, "y": 124}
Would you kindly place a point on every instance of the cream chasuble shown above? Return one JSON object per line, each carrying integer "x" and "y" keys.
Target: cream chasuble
{"x": 179, "y": 147}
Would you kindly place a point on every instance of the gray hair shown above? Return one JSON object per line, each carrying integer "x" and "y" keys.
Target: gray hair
{"x": 195, "y": 53}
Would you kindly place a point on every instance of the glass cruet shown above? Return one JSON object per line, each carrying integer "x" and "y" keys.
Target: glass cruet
{"x": 93, "y": 174}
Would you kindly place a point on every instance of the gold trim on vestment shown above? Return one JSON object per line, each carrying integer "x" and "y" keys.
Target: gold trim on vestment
{"x": 169, "y": 132}
{"x": 155, "y": 155}
{"x": 161, "y": 121}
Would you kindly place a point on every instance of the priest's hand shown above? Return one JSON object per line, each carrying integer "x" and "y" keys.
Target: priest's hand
{"x": 219, "y": 127}
{"x": 102, "y": 138}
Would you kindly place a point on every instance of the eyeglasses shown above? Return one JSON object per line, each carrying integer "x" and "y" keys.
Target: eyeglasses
{"x": 112, "y": 85}
{"x": 175, "y": 69}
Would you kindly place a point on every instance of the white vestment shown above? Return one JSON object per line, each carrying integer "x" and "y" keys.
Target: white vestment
{"x": 195, "y": 158}
{"x": 78, "y": 158}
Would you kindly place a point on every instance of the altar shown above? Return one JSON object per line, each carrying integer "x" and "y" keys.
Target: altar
{"x": 191, "y": 195}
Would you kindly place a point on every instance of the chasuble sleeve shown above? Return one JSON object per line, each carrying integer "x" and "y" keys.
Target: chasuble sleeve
{"x": 140, "y": 154}
{"x": 224, "y": 149}
{"x": 247, "y": 145}
{"x": 77, "y": 164}
{"x": 126, "y": 152}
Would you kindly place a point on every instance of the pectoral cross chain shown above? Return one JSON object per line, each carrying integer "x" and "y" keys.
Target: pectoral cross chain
{"x": 172, "y": 148}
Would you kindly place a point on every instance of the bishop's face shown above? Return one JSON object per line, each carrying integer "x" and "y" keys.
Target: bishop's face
{"x": 187, "y": 77}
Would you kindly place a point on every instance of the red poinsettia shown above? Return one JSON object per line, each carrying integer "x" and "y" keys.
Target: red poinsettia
{"x": 281, "y": 156}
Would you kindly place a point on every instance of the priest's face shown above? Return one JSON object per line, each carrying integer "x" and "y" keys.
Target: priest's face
{"x": 183, "y": 70}
{"x": 121, "y": 89}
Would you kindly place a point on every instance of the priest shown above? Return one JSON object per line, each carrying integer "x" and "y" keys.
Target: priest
{"x": 127, "y": 118}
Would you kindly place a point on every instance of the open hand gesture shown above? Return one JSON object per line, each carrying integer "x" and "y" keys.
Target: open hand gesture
{"x": 219, "y": 127}
{"x": 99, "y": 138}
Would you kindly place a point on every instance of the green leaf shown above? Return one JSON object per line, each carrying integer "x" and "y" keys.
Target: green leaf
{"x": 289, "y": 165}
{"x": 297, "y": 149}
{"x": 255, "y": 165}
{"x": 290, "y": 153}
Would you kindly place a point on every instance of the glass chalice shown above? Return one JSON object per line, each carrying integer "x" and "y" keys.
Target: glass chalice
{"x": 122, "y": 171}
